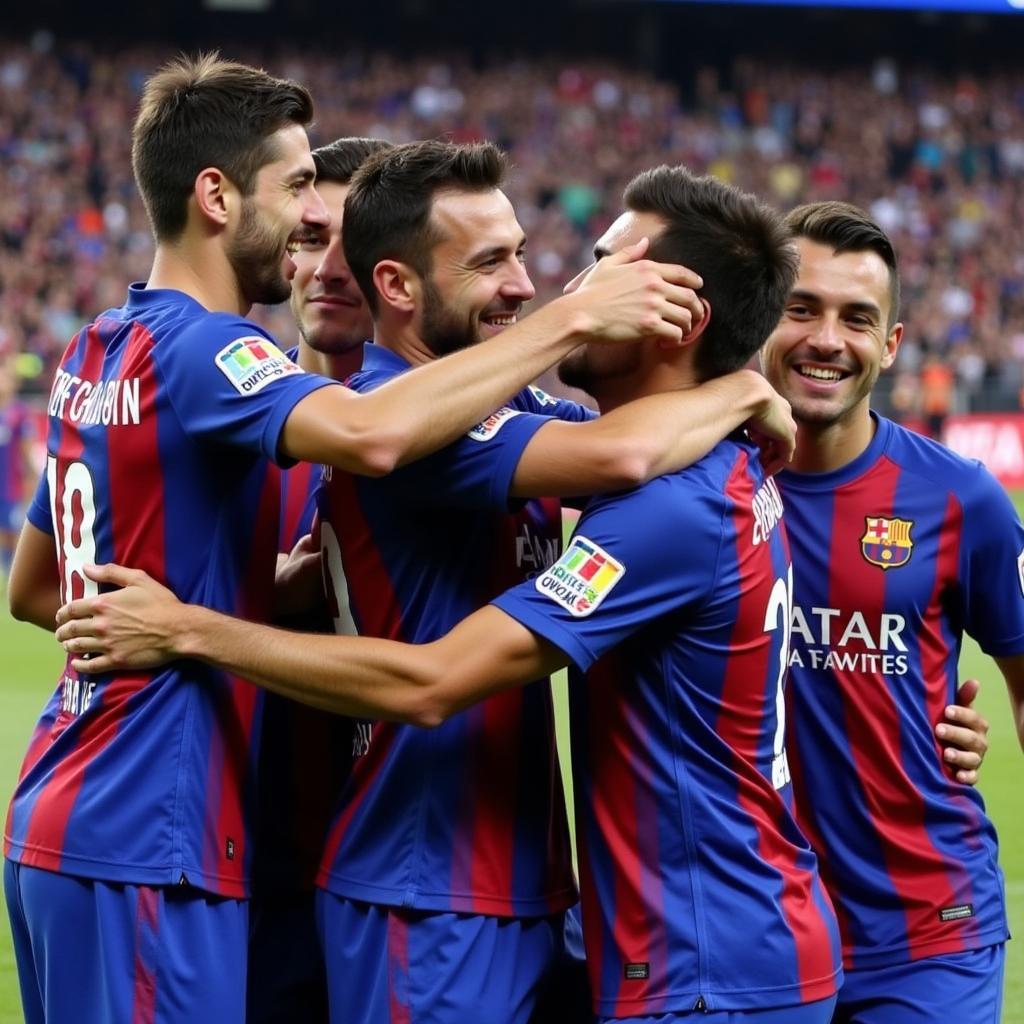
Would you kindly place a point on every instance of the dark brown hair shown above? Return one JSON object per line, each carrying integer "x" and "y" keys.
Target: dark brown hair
{"x": 207, "y": 112}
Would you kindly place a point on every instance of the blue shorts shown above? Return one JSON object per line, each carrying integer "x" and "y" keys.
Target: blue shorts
{"x": 962, "y": 987}
{"x": 286, "y": 965}
{"x": 390, "y": 965}
{"x": 818, "y": 1012}
{"x": 91, "y": 952}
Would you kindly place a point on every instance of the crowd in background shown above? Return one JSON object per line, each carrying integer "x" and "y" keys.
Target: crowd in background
{"x": 939, "y": 161}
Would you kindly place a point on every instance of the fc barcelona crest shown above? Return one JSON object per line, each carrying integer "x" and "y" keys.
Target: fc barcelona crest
{"x": 887, "y": 542}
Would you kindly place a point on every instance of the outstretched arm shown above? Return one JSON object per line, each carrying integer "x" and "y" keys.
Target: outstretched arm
{"x": 144, "y": 625}
{"x": 623, "y": 298}
{"x": 653, "y": 435}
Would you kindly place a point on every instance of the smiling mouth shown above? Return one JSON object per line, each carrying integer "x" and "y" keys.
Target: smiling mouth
{"x": 826, "y": 375}
{"x": 501, "y": 320}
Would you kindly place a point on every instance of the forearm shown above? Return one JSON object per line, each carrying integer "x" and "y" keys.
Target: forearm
{"x": 357, "y": 676}
{"x": 428, "y": 408}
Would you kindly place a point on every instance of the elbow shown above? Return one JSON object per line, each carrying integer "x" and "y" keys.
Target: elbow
{"x": 20, "y": 604}
{"x": 630, "y": 466}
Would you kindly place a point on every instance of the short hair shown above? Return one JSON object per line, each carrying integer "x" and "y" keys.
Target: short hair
{"x": 207, "y": 112}
{"x": 844, "y": 227}
{"x": 338, "y": 161}
{"x": 388, "y": 207}
{"x": 738, "y": 245}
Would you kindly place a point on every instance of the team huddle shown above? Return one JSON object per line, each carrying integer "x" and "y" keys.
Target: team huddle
{"x": 301, "y": 762}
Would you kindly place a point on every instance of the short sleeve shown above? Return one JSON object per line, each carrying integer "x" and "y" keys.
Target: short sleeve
{"x": 229, "y": 383}
{"x": 632, "y": 559}
{"x": 992, "y": 568}
{"x": 38, "y": 512}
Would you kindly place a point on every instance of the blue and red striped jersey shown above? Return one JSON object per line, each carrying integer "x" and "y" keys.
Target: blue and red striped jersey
{"x": 698, "y": 889}
{"x": 305, "y": 753}
{"x": 895, "y": 556}
{"x": 162, "y": 420}
{"x": 470, "y": 816}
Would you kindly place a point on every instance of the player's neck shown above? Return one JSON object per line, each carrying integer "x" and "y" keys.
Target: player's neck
{"x": 647, "y": 380}
{"x": 403, "y": 340}
{"x": 337, "y": 365}
{"x": 824, "y": 447}
{"x": 206, "y": 277}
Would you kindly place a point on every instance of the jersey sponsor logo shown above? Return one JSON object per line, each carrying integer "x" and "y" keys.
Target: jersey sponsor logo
{"x": 582, "y": 578}
{"x": 887, "y": 542}
{"x": 533, "y": 551}
{"x": 251, "y": 363}
{"x": 839, "y": 641}
{"x": 542, "y": 397}
{"x": 489, "y": 427}
{"x": 767, "y": 509}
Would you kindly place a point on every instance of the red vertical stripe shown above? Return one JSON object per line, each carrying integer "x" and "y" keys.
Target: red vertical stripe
{"x": 380, "y": 615}
{"x": 742, "y": 728}
{"x": 916, "y": 869}
{"x": 399, "y": 987}
{"x": 147, "y": 912}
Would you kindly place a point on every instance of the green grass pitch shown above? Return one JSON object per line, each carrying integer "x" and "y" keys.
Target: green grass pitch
{"x": 32, "y": 660}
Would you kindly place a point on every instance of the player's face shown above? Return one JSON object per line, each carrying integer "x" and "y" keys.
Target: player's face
{"x": 284, "y": 204}
{"x": 326, "y": 301}
{"x": 592, "y": 368}
{"x": 833, "y": 339}
{"x": 478, "y": 281}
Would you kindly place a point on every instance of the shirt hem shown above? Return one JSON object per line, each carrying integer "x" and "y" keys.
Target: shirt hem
{"x": 858, "y": 961}
{"x": 129, "y": 874}
{"x": 458, "y": 903}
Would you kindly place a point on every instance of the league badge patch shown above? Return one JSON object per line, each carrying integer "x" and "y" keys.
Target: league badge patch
{"x": 251, "y": 363}
{"x": 542, "y": 397}
{"x": 582, "y": 578}
{"x": 489, "y": 427}
{"x": 887, "y": 542}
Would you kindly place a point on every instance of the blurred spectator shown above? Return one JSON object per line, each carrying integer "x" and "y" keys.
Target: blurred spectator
{"x": 938, "y": 159}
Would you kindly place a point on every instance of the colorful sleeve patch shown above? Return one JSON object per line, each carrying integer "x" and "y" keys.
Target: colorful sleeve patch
{"x": 582, "y": 578}
{"x": 252, "y": 362}
{"x": 1020, "y": 571}
{"x": 542, "y": 397}
{"x": 489, "y": 427}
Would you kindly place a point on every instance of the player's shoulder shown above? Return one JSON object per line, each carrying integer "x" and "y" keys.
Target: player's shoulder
{"x": 936, "y": 465}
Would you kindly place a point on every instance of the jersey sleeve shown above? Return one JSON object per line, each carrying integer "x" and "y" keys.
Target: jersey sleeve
{"x": 229, "y": 383}
{"x": 992, "y": 568}
{"x": 632, "y": 559}
{"x": 38, "y": 512}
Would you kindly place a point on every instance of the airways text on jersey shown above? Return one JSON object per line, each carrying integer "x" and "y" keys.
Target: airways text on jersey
{"x": 830, "y": 638}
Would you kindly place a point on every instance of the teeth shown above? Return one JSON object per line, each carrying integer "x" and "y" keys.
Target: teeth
{"x": 292, "y": 247}
{"x": 501, "y": 321}
{"x": 818, "y": 373}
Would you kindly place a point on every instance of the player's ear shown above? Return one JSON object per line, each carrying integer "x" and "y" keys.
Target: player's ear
{"x": 695, "y": 331}
{"x": 892, "y": 344}
{"x": 213, "y": 193}
{"x": 397, "y": 284}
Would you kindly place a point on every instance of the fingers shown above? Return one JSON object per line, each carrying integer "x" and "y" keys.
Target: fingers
{"x": 627, "y": 254}
{"x": 83, "y": 608}
{"x": 94, "y": 666}
{"x": 967, "y": 692}
{"x": 117, "y": 575}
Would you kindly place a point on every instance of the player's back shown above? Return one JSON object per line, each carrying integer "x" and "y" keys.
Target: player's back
{"x": 895, "y": 555}
{"x": 469, "y": 816}
{"x": 156, "y": 422}
{"x": 698, "y": 891}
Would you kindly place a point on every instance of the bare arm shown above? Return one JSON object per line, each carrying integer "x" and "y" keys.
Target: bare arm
{"x": 144, "y": 625}
{"x": 623, "y": 298}
{"x": 33, "y": 591}
{"x": 650, "y": 436}
{"x": 1013, "y": 672}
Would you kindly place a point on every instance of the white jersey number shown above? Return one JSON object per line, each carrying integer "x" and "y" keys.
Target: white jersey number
{"x": 73, "y": 526}
{"x": 779, "y": 615}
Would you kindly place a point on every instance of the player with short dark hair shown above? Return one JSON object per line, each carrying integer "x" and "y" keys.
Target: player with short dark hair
{"x": 132, "y": 817}
{"x": 899, "y": 547}
{"x": 699, "y": 893}
{"x": 305, "y": 753}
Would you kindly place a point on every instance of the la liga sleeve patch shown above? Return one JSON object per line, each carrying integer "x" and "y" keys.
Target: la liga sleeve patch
{"x": 582, "y": 578}
{"x": 489, "y": 427}
{"x": 252, "y": 362}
